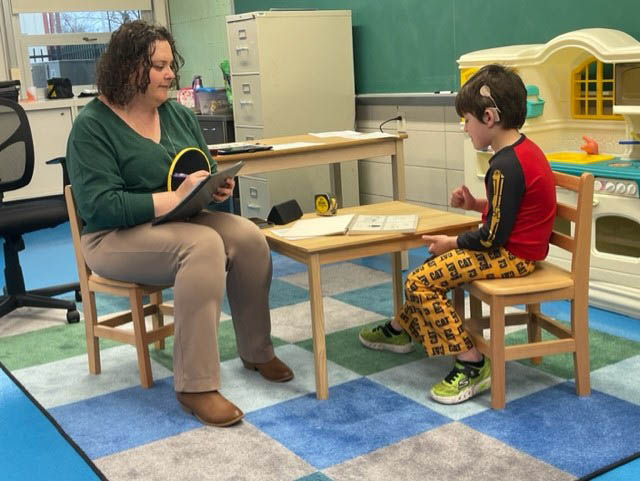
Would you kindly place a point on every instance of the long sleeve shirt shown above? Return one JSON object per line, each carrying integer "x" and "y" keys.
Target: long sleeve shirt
{"x": 114, "y": 171}
{"x": 521, "y": 203}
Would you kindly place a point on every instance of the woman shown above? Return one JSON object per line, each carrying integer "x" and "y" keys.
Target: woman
{"x": 118, "y": 155}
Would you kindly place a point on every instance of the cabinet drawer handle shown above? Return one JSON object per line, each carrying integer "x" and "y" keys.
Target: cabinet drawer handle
{"x": 246, "y": 88}
{"x": 253, "y": 206}
{"x": 212, "y": 129}
{"x": 240, "y": 49}
{"x": 245, "y": 102}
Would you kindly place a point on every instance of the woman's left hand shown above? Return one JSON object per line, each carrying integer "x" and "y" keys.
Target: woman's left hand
{"x": 224, "y": 192}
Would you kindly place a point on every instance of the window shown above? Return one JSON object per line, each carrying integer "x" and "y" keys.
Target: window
{"x": 68, "y": 42}
{"x": 592, "y": 91}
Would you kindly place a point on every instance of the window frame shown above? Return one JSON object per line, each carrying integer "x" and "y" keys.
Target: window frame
{"x": 16, "y": 45}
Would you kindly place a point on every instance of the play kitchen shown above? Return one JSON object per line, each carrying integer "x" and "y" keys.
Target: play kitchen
{"x": 584, "y": 112}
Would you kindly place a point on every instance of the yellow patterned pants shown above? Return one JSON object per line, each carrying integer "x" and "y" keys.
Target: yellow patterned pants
{"x": 428, "y": 315}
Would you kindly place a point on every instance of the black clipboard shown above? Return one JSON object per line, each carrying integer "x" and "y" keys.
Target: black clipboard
{"x": 200, "y": 196}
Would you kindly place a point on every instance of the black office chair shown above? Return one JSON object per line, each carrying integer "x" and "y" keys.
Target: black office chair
{"x": 22, "y": 216}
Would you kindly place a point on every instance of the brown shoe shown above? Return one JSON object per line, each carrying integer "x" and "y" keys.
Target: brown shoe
{"x": 274, "y": 370}
{"x": 211, "y": 408}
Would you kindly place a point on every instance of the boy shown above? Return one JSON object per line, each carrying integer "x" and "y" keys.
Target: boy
{"x": 517, "y": 216}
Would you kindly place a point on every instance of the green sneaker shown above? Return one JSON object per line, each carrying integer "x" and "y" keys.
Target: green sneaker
{"x": 462, "y": 383}
{"x": 382, "y": 339}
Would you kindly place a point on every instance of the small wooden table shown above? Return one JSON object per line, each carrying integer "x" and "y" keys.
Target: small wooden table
{"x": 328, "y": 249}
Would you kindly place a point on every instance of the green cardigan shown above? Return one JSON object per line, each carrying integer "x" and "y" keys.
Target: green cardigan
{"x": 114, "y": 171}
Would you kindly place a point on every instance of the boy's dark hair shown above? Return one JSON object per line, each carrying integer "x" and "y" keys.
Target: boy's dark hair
{"x": 123, "y": 68}
{"x": 507, "y": 90}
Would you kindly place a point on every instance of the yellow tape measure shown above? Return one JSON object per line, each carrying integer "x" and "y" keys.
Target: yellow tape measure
{"x": 326, "y": 204}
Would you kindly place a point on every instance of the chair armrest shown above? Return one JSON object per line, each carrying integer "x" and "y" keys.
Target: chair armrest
{"x": 61, "y": 161}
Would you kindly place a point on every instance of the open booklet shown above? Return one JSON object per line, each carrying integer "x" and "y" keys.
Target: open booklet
{"x": 350, "y": 224}
{"x": 200, "y": 195}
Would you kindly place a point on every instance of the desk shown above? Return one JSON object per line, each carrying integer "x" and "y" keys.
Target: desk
{"x": 329, "y": 150}
{"x": 316, "y": 251}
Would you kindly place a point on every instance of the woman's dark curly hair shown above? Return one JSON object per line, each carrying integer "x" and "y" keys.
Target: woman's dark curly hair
{"x": 123, "y": 69}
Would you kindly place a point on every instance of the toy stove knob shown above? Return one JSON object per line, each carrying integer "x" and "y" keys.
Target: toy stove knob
{"x": 610, "y": 187}
{"x": 621, "y": 188}
{"x": 597, "y": 185}
{"x": 632, "y": 189}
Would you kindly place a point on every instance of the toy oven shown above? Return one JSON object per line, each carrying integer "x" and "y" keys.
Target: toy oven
{"x": 627, "y": 83}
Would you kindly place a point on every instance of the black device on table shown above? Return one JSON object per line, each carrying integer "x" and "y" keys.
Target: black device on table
{"x": 243, "y": 149}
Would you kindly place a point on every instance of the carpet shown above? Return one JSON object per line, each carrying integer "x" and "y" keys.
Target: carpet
{"x": 33, "y": 446}
{"x": 378, "y": 423}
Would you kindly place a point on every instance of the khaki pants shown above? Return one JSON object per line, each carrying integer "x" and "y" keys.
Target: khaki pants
{"x": 428, "y": 315}
{"x": 196, "y": 257}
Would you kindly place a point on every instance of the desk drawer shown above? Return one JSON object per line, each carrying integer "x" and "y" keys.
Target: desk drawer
{"x": 250, "y": 134}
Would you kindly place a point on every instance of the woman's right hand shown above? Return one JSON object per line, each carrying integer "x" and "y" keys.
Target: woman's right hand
{"x": 189, "y": 183}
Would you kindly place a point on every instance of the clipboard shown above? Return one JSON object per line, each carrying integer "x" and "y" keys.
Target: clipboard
{"x": 200, "y": 196}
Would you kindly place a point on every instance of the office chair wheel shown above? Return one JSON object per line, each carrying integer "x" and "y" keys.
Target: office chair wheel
{"x": 73, "y": 317}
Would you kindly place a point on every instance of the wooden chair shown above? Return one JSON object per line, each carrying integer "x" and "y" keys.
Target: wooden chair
{"x": 108, "y": 327}
{"x": 547, "y": 283}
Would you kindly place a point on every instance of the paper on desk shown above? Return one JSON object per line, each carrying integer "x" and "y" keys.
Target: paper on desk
{"x": 294, "y": 145}
{"x": 225, "y": 146}
{"x": 319, "y": 226}
{"x": 352, "y": 134}
{"x": 283, "y": 233}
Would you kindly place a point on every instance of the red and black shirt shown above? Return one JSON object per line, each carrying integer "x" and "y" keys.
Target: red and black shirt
{"x": 521, "y": 204}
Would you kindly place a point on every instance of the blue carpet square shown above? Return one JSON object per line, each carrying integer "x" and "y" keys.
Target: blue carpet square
{"x": 377, "y": 298}
{"x": 284, "y": 266}
{"x": 359, "y": 417}
{"x": 124, "y": 419}
{"x": 281, "y": 294}
{"x": 575, "y": 434}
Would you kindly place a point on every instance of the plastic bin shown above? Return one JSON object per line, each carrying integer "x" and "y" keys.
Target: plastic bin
{"x": 211, "y": 100}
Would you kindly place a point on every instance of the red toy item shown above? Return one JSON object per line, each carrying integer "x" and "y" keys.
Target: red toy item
{"x": 590, "y": 146}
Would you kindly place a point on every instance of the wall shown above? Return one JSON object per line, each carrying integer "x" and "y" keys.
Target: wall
{"x": 199, "y": 29}
{"x": 413, "y": 45}
{"x": 433, "y": 152}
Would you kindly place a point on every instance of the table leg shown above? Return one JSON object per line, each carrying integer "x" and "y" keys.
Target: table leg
{"x": 397, "y": 172}
{"x": 398, "y": 289}
{"x": 317, "y": 328}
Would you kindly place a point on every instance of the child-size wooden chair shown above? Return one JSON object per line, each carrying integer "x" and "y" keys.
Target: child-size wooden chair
{"x": 109, "y": 327}
{"x": 547, "y": 283}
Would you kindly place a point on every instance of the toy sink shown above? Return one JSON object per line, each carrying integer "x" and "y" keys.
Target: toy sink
{"x": 577, "y": 157}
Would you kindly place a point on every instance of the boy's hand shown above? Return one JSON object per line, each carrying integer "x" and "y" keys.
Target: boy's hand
{"x": 462, "y": 198}
{"x": 439, "y": 244}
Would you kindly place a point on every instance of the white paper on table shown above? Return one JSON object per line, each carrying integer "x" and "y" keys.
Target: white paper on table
{"x": 294, "y": 145}
{"x": 352, "y": 134}
{"x": 283, "y": 233}
{"x": 320, "y": 226}
{"x": 226, "y": 146}
{"x": 338, "y": 133}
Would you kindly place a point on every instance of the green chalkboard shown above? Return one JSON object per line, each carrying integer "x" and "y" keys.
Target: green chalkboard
{"x": 405, "y": 46}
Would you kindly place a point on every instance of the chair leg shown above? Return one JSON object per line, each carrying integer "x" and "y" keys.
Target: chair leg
{"x": 158, "y": 317}
{"x": 533, "y": 328}
{"x": 580, "y": 331}
{"x": 140, "y": 333}
{"x": 475, "y": 313}
{"x": 458, "y": 301}
{"x": 90, "y": 321}
{"x": 496, "y": 324}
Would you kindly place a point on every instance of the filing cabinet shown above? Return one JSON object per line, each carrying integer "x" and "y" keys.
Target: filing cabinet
{"x": 292, "y": 73}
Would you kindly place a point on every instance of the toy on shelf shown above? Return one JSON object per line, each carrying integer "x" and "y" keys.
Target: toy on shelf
{"x": 535, "y": 105}
{"x": 590, "y": 146}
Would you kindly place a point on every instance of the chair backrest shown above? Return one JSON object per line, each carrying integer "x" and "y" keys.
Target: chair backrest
{"x": 578, "y": 241}
{"x": 16, "y": 147}
{"x": 75, "y": 222}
